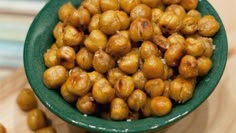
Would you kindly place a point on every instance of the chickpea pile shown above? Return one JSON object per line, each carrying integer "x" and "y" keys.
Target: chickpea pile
{"x": 129, "y": 59}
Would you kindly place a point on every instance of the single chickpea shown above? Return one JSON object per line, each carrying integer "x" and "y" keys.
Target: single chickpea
{"x": 148, "y": 49}
{"x": 204, "y": 65}
{"x": 176, "y": 38}
{"x": 102, "y": 62}
{"x": 208, "y": 26}
{"x": 80, "y": 17}
{"x": 86, "y": 104}
{"x": 65, "y": 12}
{"x": 174, "y": 54}
{"x": 68, "y": 96}
{"x": 109, "y": 22}
{"x": 156, "y": 15}
{"x": 152, "y": 3}
{"x": 94, "y": 76}
{"x": 177, "y": 9}
{"x": 154, "y": 87}
{"x": 189, "y": 25}
{"x": 93, "y": 6}
{"x": 153, "y": 67}
{"x": 58, "y": 30}
{"x": 109, "y": 5}
{"x": 50, "y": 58}
{"x": 160, "y": 106}
{"x": 140, "y": 30}
{"x": 66, "y": 54}
{"x": 48, "y": 129}
{"x": 84, "y": 58}
{"x": 141, "y": 10}
{"x": 119, "y": 109}
{"x": 96, "y": 41}
{"x": 2, "y": 129}
{"x": 194, "y": 46}
{"x": 189, "y": 4}
{"x": 94, "y": 23}
{"x": 36, "y": 119}
{"x": 194, "y": 13}
{"x": 55, "y": 76}
{"x": 114, "y": 74}
{"x": 128, "y": 5}
{"x": 188, "y": 67}
{"x": 102, "y": 91}
{"x": 75, "y": 70}
{"x": 169, "y": 2}
{"x": 156, "y": 29}
{"x": 161, "y": 41}
{"x": 26, "y": 100}
{"x": 124, "y": 20}
{"x": 72, "y": 37}
{"x": 208, "y": 42}
{"x": 139, "y": 80}
{"x": 124, "y": 86}
{"x": 137, "y": 100}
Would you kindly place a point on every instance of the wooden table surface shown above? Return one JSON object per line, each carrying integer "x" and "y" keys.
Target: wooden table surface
{"x": 216, "y": 115}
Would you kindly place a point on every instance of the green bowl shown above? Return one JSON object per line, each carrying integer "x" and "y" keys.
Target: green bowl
{"x": 39, "y": 39}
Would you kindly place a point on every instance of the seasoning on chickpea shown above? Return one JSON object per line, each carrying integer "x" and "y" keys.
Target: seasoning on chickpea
{"x": 139, "y": 80}
{"x": 119, "y": 109}
{"x": 208, "y": 26}
{"x": 2, "y": 129}
{"x": 48, "y": 129}
{"x": 141, "y": 10}
{"x": 86, "y": 104}
{"x": 94, "y": 23}
{"x": 109, "y": 5}
{"x": 96, "y": 41}
{"x": 160, "y": 106}
{"x": 137, "y": 100}
{"x": 68, "y": 96}
{"x": 154, "y": 87}
{"x": 114, "y": 74}
{"x": 36, "y": 119}
{"x": 124, "y": 86}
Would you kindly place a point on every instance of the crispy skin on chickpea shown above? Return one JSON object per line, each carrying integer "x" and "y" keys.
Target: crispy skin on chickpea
{"x": 208, "y": 26}
{"x": 146, "y": 109}
{"x": 96, "y": 41}
{"x": 65, "y": 12}
{"x": 160, "y": 106}
{"x": 86, "y": 104}
{"x": 189, "y": 4}
{"x": 58, "y": 30}
{"x": 151, "y": 3}
{"x": 93, "y": 6}
{"x": 80, "y": 17}
{"x": 66, "y": 54}
{"x": 154, "y": 87}
{"x": 94, "y": 23}
{"x": 174, "y": 54}
{"x": 124, "y": 86}
{"x": 137, "y": 100}
{"x": 194, "y": 46}
{"x": 177, "y": 9}
{"x": 156, "y": 29}
{"x": 208, "y": 43}
{"x": 84, "y": 58}
{"x": 124, "y": 20}
{"x": 189, "y": 25}
{"x": 94, "y": 76}
{"x": 168, "y": 72}
{"x": 188, "y": 67}
{"x": 176, "y": 38}
{"x": 156, "y": 15}
{"x": 161, "y": 41}
{"x": 48, "y": 129}
{"x": 128, "y": 5}
{"x": 194, "y": 13}
{"x": 141, "y": 10}
{"x": 50, "y": 58}
{"x": 139, "y": 80}
{"x": 68, "y": 96}
{"x": 148, "y": 49}
{"x": 109, "y": 5}
{"x": 72, "y": 37}
{"x": 114, "y": 74}
{"x": 167, "y": 88}
{"x": 204, "y": 65}
{"x": 119, "y": 109}
{"x": 36, "y": 119}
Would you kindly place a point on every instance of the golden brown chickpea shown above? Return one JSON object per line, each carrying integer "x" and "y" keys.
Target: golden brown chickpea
{"x": 50, "y": 58}
{"x": 124, "y": 33}
{"x": 148, "y": 49}
{"x": 109, "y": 5}
{"x": 75, "y": 70}
{"x": 68, "y": 96}
{"x": 151, "y": 3}
{"x": 58, "y": 30}
{"x": 189, "y": 4}
{"x": 169, "y": 2}
{"x": 84, "y": 58}
{"x": 204, "y": 65}
{"x": 102, "y": 91}
{"x": 174, "y": 54}
{"x": 94, "y": 76}
{"x": 177, "y": 9}
{"x": 102, "y": 62}
{"x": 194, "y": 13}
{"x": 26, "y": 100}
{"x": 124, "y": 20}
{"x": 86, "y": 104}
{"x": 48, "y": 129}
{"x": 72, "y": 36}
{"x": 156, "y": 15}
{"x": 181, "y": 89}
{"x": 161, "y": 41}
{"x": 153, "y": 67}
{"x": 124, "y": 86}
{"x": 55, "y": 76}
{"x": 118, "y": 45}
{"x": 79, "y": 83}
{"x": 139, "y": 80}
{"x": 188, "y": 67}
{"x": 60, "y": 40}
{"x": 109, "y": 22}
{"x": 95, "y": 41}
{"x": 137, "y": 100}
{"x": 154, "y": 87}
{"x": 65, "y": 12}
{"x": 208, "y": 42}
{"x": 36, "y": 119}
{"x": 119, "y": 109}
{"x": 189, "y": 25}
{"x": 208, "y": 26}
{"x": 92, "y": 6}
{"x": 170, "y": 23}
{"x": 94, "y": 23}
{"x": 168, "y": 72}
{"x": 140, "y": 30}
{"x": 68, "y": 65}
{"x": 160, "y": 106}
{"x": 66, "y": 54}
{"x": 167, "y": 88}
{"x": 114, "y": 74}
{"x": 141, "y": 10}
{"x": 128, "y": 5}
{"x": 194, "y": 46}
{"x": 156, "y": 29}
{"x": 146, "y": 110}
{"x": 80, "y": 17}
{"x": 176, "y": 39}
{"x": 2, "y": 129}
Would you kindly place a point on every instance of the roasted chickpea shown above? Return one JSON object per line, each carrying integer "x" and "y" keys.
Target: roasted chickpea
{"x": 139, "y": 80}
{"x": 102, "y": 91}
{"x": 189, "y": 25}
{"x": 124, "y": 20}
{"x": 65, "y": 12}
{"x": 161, "y": 41}
{"x": 2, "y": 129}
{"x": 109, "y": 5}
{"x": 119, "y": 109}
{"x": 151, "y": 3}
{"x": 181, "y": 89}
{"x": 124, "y": 86}
{"x": 141, "y": 10}
{"x": 48, "y": 129}
{"x": 68, "y": 96}
{"x": 208, "y": 26}
{"x": 176, "y": 39}
{"x": 170, "y": 23}
{"x": 128, "y": 5}
{"x": 80, "y": 17}
{"x": 75, "y": 70}
{"x": 167, "y": 88}
{"x": 194, "y": 46}
{"x": 109, "y": 22}
{"x": 86, "y": 104}
{"x": 102, "y": 62}
{"x": 204, "y": 65}
{"x": 154, "y": 87}
{"x": 60, "y": 40}
{"x": 140, "y": 30}
{"x": 84, "y": 58}
{"x": 50, "y": 58}
{"x": 194, "y": 13}
{"x": 94, "y": 76}
{"x": 72, "y": 36}
{"x": 129, "y": 63}
{"x": 94, "y": 23}
{"x": 156, "y": 29}
{"x": 79, "y": 83}
{"x": 93, "y": 6}
{"x": 189, "y": 4}
{"x": 58, "y": 30}
{"x": 118, "y": 45}
{"x": 148, "y": 49}
{"x": 153, "y": 67}
{"x": 188, "y": 67}
{"x": 146, "y": 109}
{"x": 177, "y": 9}
{"x": 208, "y": 42}
{"x": 66, "y": 54}
{"x": 174, "y": 54}
{"x": 36, "y": 119}
{"x": 160, "y": 106}
{"x": 137, "y": 100}
{"x": 96, "y": 41}
{"x": 168, "y": 72}
{"x": 114, "y": 74}
{"x": 156, "y": 15}
{"x": 26, "y": 100}
{"x": 55, "y": 76}
{"x": 169, "y": 2}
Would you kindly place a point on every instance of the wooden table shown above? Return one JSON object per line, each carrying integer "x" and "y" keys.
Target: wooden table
{"x": 216, "y": 115}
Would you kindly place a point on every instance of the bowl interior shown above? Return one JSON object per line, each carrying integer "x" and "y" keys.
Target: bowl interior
{"x": 39, "y": 39}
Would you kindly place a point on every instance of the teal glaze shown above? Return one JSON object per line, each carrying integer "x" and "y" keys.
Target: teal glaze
{"x": 39, "y": 38}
